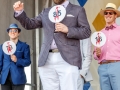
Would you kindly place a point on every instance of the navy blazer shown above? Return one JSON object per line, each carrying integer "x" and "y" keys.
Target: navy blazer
{"x": 16, "y": 69}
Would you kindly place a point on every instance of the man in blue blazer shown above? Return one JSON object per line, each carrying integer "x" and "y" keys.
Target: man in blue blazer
{"x": 12, "y": 75}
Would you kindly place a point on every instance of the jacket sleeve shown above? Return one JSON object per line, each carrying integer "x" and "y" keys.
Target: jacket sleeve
{"x": 86, "y": 53}
{"x": 25, "y": 60}
{"x": 1, "y": 58}
{"x": 29, "y": 23}
{"x": 82, "y": 30}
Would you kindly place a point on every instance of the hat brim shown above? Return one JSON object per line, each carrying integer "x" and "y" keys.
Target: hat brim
{"x": 117, "y": 12}
{"x": 16, "y": 28}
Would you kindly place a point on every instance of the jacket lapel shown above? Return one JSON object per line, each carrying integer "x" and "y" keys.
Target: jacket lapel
{"x": 18, "y": 46}
{"x": 68, "y": 8}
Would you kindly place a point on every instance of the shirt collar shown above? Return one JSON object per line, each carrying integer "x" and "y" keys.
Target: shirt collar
{"x": 65, "y": 4}
{"x": 113, "y": 26}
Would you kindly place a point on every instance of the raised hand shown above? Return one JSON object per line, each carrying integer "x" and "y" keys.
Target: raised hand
{"x": 18, "y": 6}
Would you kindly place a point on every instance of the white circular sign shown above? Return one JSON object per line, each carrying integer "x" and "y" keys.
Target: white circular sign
{"x": 9, "y": 47}
{"x": 57, "y": 13}
{"x": 98, "y": 39}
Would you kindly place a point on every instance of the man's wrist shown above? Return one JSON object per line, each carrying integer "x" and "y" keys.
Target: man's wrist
{"x": 17, "y": 13}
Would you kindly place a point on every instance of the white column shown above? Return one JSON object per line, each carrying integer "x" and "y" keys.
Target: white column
{"x": 37, "y": 46}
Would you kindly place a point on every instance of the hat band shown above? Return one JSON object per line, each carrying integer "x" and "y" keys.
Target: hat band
{"x": 110, "y": 8}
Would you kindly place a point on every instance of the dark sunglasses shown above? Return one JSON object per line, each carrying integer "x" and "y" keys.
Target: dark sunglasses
{"x": 110, "y": 13}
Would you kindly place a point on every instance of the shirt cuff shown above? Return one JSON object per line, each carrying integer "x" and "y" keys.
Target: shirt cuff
{"x": 17, "y": 13}
{"x": 83, "y": 73}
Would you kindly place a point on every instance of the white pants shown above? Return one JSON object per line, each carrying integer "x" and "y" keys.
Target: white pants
{"x": 80, "y": 83}
{"x": 57, "y": 74}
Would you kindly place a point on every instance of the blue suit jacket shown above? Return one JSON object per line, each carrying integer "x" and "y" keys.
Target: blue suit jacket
{"x": 16, "y": 69}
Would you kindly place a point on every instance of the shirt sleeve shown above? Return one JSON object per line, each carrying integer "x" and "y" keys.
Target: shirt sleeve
{"x": 86, "y": 49}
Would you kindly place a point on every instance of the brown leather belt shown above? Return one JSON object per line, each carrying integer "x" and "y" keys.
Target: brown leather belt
{"x": 53, "y": 50}
{"x": 109, "y": 61}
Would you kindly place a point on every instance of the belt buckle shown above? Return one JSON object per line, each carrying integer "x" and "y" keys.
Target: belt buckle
{"x": 104, "y": 62}
{"x": 112, "y": 61}
{"x": 55, "y": 50}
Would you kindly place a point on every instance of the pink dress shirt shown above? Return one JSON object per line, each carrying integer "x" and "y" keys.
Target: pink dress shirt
{"x": 111, "y": 49}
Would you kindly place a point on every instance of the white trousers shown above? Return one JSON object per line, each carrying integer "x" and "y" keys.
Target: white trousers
{"x": 57, "y": 74}
{"x": 80, "y": 83}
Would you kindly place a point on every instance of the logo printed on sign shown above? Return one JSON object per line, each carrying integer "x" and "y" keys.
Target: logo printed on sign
{"x": 9, "y": 47}
{"x": 57, "y": 13}
{"x": 98, "y": 39}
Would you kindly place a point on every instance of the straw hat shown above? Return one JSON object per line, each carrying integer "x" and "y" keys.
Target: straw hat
{"x": 110, "y": 6}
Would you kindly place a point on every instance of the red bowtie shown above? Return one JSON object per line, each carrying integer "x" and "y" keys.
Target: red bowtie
{"x": 109, "y": 27}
